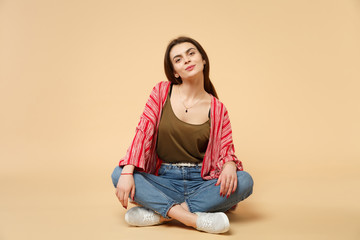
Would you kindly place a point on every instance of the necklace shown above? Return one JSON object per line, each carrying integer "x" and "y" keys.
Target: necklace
{"x": 186, "y": 108}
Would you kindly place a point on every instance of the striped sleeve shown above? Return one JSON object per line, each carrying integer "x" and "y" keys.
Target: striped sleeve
{"x": 140, "y": 148}
{"x": 227, "y": 150}
{"x": 137, "y": 151}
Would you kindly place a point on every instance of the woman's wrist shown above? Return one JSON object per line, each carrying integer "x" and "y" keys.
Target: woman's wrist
{"x": 230, "y": 163}
{"x": 128, "y": 170}
{"x": 125, "y": 173}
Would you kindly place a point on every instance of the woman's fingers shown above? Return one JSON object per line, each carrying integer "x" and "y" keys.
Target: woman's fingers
{"x": 125, "y": 189}
{"x": 229, "y": 189}
{"x": 224, "y": 187}
{"x": 122, "y": 196}
{"x": 133, "y": 192}
{"x": 227, "y": 185}
{"x": 235, "y": 185}
{"x": 228, "y": 179}
{"x": 123, "y": 200}
{"x": 218, "y": 181}
{"x": 116, "y": 192}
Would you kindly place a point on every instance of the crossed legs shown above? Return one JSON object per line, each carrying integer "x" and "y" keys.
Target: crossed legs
{"x": 159, "y": 194}
{"x": 181, "y": 213}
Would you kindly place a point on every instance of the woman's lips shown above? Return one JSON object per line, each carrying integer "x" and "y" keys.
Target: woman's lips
{"x": 189, "y": 68}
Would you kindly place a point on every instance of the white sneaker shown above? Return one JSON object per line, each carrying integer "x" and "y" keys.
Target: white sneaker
{"x": 141, "y": 217}
{"x": 212, "y": 222}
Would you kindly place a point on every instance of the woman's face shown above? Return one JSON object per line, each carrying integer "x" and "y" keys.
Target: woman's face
{"x": 187, "y": 60}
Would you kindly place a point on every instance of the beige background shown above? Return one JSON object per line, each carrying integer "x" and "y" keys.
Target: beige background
{"x": 75, "y": 75}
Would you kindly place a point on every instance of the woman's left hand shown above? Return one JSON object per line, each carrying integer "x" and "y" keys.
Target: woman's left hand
{"x": 227, "y": 179}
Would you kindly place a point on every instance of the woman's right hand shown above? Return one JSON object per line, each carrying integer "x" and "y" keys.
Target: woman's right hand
{"x": 125, "y": 188}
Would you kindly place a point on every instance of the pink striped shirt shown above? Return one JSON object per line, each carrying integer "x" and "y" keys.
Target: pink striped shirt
{"x": 142, "y": 151}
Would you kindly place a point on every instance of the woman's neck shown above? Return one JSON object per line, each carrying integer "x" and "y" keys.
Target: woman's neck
{"x": 192, "y": 89}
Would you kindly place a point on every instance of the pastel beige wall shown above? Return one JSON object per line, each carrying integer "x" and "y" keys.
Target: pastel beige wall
{"x": 75, "y": 75}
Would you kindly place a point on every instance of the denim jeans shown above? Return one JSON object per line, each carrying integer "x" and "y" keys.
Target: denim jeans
{"x": 175, "y": 185}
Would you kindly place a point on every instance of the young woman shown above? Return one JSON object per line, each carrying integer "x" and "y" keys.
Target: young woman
{"x": 181, "y": 163}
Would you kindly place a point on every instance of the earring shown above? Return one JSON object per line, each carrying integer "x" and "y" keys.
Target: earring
{"x": 176, "y": 76}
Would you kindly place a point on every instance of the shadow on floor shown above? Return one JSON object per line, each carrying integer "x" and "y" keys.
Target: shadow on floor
{"x": 245, "y": 212}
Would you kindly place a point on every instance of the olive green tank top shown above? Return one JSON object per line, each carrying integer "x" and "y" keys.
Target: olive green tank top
{"x": 178, "y": 141}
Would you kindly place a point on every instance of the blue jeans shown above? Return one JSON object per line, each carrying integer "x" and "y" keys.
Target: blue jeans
{"x": 176, "y": 185}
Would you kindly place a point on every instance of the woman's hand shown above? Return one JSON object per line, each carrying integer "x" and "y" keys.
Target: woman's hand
{"x": 125, "y": 186}
{"x": 227, "y": 179}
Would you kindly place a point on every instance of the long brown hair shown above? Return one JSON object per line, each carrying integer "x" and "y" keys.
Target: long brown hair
{"x": 169, "y": 69}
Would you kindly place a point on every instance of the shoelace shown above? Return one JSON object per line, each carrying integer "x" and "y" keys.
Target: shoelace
{"x": 149, "y": 218}
{"x": 207, "y": 222}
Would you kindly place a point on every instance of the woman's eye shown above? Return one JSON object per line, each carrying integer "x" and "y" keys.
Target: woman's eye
{"x": 177, "y": 60}
{"x": 192, "y": 53}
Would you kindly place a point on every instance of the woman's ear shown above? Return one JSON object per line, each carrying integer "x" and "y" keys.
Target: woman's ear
{"x": 204, "y": 62}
